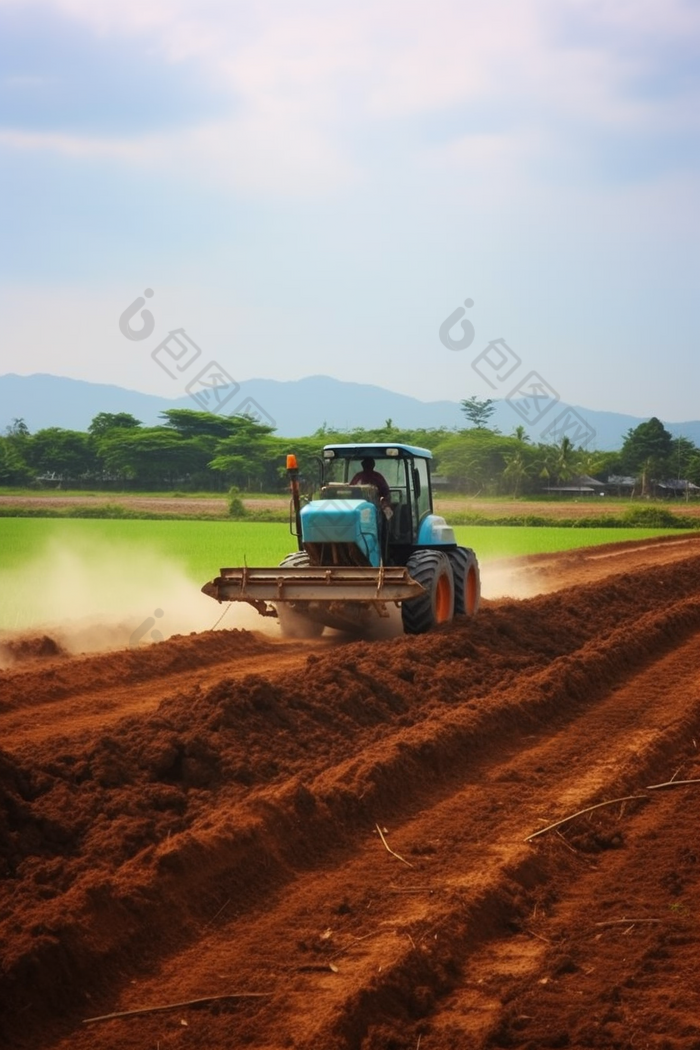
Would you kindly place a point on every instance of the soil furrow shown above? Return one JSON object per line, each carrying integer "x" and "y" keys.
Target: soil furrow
{"x": 469, "y": 898}
{"x": 218, "y": 832}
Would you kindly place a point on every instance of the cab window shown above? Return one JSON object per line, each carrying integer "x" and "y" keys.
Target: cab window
{"x": 421, "y": 488}
{"x": 391, "y": 468}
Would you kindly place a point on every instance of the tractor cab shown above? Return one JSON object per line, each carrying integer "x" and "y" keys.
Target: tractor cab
{"x": 407, "y": 473}
{"x": 353, "y": 522}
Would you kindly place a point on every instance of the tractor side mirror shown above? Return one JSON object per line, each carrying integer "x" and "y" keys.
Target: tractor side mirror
{"x": 416, "y": 481}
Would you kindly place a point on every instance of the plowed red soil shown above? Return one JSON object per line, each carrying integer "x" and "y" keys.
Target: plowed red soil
{"x": 231, "y": 841}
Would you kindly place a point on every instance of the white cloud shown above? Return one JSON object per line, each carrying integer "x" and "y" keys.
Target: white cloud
{"x": 653, "y": 20}
{"x": 256, "y": 154}
{"x": 82, "y": 146}
{"x": 410, "y": 154}
{"x": 304, "y": 81}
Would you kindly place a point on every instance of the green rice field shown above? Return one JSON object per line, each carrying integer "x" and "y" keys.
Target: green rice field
{"x": 73, "y": 572}
{"x": 200, "y": 548}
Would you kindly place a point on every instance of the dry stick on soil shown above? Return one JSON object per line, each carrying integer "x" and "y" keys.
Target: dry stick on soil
{"x": 671, "y": 784}
{"x": 588, "y": 809}
{"x": 390, "y": 850}
{"x": 537, "y": 935}
{"x": 215, "y": 917}
{"x": 414, "y": 889}
{"x": 317, "y": 967}
{"x": 178, "y": 1006}
{"x": 569, "y": 847}
{"x": 623, "y": 922}
{"x": 341, "y": 951}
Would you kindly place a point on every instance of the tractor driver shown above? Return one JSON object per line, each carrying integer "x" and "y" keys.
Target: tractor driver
{"x": 369, "y": 476}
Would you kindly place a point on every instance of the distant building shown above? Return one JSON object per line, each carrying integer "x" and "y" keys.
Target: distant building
{"x": 619, "y": 485}
{"x": 672, "y": 488}
{"x": 676, "y": 488}
{"x": 583, "y": 485}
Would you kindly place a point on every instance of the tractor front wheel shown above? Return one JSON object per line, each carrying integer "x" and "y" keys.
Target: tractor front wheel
{"x": 432, "y": 569}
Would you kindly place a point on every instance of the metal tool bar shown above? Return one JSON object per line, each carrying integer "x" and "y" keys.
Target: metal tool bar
{"x": 316, "y": 583}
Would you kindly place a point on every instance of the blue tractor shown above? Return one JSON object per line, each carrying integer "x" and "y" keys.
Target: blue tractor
{"x": 362, "y": 546}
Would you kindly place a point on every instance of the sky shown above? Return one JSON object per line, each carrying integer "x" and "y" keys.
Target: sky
{"x": 309, "y": 187}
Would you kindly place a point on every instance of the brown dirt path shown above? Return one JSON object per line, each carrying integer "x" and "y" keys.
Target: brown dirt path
{"x": 216, "y": 506}
{"x": 218, "y": 833}
{"x": 543, "y": 573}
{"x": 558, "y": 509}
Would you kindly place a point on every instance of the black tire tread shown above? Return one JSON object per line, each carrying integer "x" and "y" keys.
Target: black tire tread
{"x": 418, "y": 614}
{"x": 462, "y": 560}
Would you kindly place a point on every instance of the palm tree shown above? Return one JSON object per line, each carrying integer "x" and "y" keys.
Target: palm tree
{"x": 516, "y": 468}
{"x": 565, "y": 460}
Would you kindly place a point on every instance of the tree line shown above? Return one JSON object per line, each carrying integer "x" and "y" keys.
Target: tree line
{"x": 203, "y": 451}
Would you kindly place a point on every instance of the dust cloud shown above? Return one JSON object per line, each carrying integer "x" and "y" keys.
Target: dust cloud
{"x": 504, "y": 581}
{"x": 100, "y": 595}
{"x": 108, "y": 595}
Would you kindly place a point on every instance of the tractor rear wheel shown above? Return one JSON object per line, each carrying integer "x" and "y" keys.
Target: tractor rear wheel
{"x": 432, "y": 569}
{"x": 294, "y": 624}
{"x": 465, "y": 569}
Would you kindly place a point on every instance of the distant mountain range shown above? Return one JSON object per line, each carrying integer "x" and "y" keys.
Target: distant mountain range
{"x": 296, "y": 408}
